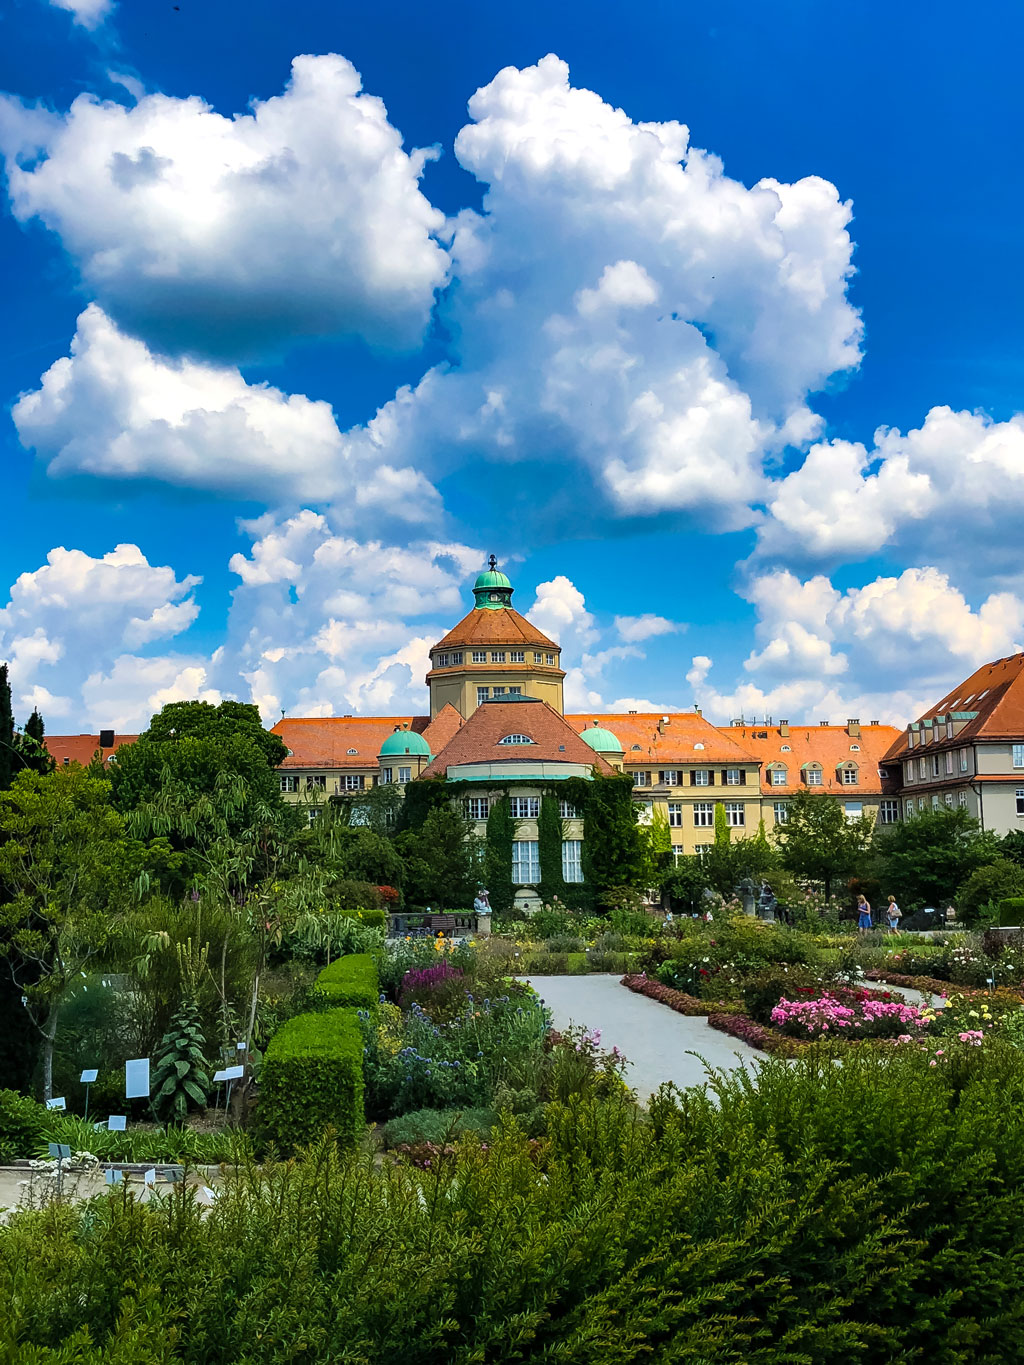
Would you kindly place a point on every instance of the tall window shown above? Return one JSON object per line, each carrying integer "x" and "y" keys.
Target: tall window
{"x": 641, "y": 778}
{"x": 935, "y": 765}
{"x": 814, "y": 777}
{"x": 478, "y": 807}
{"x": 404, "y": 775}
{"x": 781, "y": 809}
{"x": 949, "y": 762}
{"x": 317, "y": 783}
{"x": 850, "y": 777}
{"x": 948, "y": 798}
{"x": 670, "y": 777}
{"x": 1020, "y": 800}
{"x": 779, "y": 776}
{"x": 963, "y": 760}
{"x": 572, "y": 860}
{"x": 700, "y": 777}
{"x": 1018, "y": 755}
{"x": 524, "y": 807}
{"x": 499, "y": 692}
{"x": 703, "y": 813}
{"x": 482, "y": 693}
{"x": 889, "y": 812}
{"x": 735, "y": 813}
{"x": 516, "y": 656}
{"x": 314, "y": 814}
{"x": 922, "y": 767}
{"x": 949, "y": 729}
{"x": 386, "y": 776}
{"x": 935, "y": 801}
{"x": 675, "y": 813}
{"x": 525, "y": 862}
{"x": 734, "y": 777}
{"x": 920, "y": 803}
{"x": 289, "y": 782}
{"x": 908, "y": 771}
{"x": 479, "y": 656}
{"x": 961, "y": 798}
{"x": 550, "y": 660}
{"x": 910, "y": 809}
{"x": 567, "y": 811}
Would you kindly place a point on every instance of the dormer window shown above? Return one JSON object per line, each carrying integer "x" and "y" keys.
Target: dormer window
{"x": 516, "y": 739}
{"x": 698, "y": 745}
{"x": 350, "y": 752}
{"x": 855, "y": 748}
{"x": 786, "y": 748}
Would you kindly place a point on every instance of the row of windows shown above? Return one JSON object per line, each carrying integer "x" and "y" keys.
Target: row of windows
{"x": 930, "y": 767}
{"x": 453, "y": 658}
{"x": 526, "y": 861}
{"x": 947, "y": 800}
{"x": 448, "y": 660}
{"x": 699, "y": 777}
{"x": 484, "y": 693}
{"x": 499, "y": 656}
{"x": 521, "y": 808}
{"x": 317, "y": 782}
{"x": 387, "y": 775}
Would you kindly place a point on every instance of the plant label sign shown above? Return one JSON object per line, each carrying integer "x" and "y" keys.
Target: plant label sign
{"x": 87, "y": 1077}
{"x": 114, "y": 1177}
{"x": 136, "y": 1079}
{"x": 56, "y": 1103}
{"x": 117, "y": 1123}
{"x": 229, "y": 1073}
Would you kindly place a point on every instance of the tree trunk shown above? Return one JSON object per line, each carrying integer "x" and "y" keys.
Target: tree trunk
{"x": 49, "y": 1037}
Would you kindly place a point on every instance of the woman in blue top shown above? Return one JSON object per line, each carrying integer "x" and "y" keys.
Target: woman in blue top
{"x": 863, "y": 915}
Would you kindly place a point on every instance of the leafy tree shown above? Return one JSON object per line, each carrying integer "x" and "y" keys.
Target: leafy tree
{"x": 1012, "y": 846}
{"x": 686, "y": 884}
{"x": 228, "y": 720}
{"x": 987, "y": 885}
{"x": 67, "y": 869}
{"x": 925, "y": 860}
{"x": 8, "y": 753}
{"x": 181, "y": 1081}
{"x": 819, "y": 842}
{"x": 31, "y": 745}
{"x": 442, "y": 860}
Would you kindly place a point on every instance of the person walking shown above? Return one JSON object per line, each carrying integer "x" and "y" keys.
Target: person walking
{"x": 863, "y": 915}
{"x": 893, "y": 914}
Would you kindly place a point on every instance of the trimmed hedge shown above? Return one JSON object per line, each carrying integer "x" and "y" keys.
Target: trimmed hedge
{"x": 679, "y": 1001}
{"x": 350, "y": 981}
{"x": 312, "y": 1078}
{"x": 1011, "y": 912}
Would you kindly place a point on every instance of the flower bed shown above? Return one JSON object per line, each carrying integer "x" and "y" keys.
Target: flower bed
{"x": 929, "y": 984}
{"x": 679, "y": 1000}
{"x": 853, "y": 1014}
{"x": 757, "y": 1035}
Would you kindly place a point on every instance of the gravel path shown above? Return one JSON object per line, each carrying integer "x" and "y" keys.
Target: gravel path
{"x": 655, "y": 1039}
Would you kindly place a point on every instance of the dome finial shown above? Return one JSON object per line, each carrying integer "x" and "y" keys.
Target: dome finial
{"x": 492, "y": 563}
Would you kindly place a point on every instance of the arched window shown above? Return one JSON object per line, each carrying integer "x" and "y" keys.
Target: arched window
{"x": 779, "y": 774}
{"x": 516, "y": 739}
{"x": 353, "y": 751}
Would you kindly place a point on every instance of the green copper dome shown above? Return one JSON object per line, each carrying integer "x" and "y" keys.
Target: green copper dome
{"x": 492, "y": 589}
{"x": 404, "y": 742}
{"x": 600, "y": 740}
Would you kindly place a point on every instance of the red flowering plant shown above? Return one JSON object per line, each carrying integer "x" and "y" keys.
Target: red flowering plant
{"x": 438, "y": 990}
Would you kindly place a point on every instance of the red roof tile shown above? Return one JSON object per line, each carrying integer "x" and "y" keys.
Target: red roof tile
{"x": 443, "y": 728}
{"x": 995, "y": 691}
{"x": 645, "y": 740}
{"x": 81, "y": 748}
{"x": 828, "y": 745}
{"x": 554, "y": 740}
{"x": 502, "y": 626}
{"x": 325, "y": 741}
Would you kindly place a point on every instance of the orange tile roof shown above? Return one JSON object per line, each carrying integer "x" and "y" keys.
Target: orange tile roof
{"x": 554, "y": 740}
{"x": 324, "y": 741}
{"x": 995, "y": 691}
{"x": 502, "y": 626}
{"x": 828, "y": 745}
{"x": 443, "y": 728}
{"x": 644, "y": 742}
{"x": 81, "y": 748}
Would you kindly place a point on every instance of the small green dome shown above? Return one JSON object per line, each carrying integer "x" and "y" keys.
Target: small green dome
{"x": 492, "y": 578}
{"x": 492, "y": 589}
{"x": 601, "y": 741}
{"x": 405, "y": 742}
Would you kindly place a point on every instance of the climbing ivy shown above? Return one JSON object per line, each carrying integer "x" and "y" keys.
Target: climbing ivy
{"x": 498, "y": 854}
{"x": 614, "y": 848}
{"x": 549, "y": 836}
{"x": 425, "y": 795}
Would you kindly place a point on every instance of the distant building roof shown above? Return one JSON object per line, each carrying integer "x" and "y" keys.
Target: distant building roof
{"x": 549, "y": 739}
{"x": 993, "y": 699}
{"x": 499, "y": 626}
{"x": 665, "y": 738}
{"x": 339, "y": 741}
{"x": 827, "y": 746}
{"x": 82, "y": 748}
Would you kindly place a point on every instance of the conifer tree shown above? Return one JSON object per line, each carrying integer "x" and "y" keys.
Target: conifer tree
{"x": 32, "y": 747}
{"x": 8, "y": 753}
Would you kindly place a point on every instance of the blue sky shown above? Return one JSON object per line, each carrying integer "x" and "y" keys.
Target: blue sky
{"x": 307, "y": 378}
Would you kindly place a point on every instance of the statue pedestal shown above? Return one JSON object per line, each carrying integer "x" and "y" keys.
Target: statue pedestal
{"x": 749, "y": 904}
{"x": 483, "y": 926}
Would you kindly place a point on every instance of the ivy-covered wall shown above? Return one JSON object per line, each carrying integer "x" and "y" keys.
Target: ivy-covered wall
{"x": 549, "y": 837}
{"x": 498, "y": 854}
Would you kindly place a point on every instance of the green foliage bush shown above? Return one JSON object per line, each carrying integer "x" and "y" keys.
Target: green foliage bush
{"x": 350, "y": 981}
{"x": 1011, "y": 911}
{"x": 22, "y": 1125}
{"x": 565, "y": 943}
{"x": 438, "y": 1125}
{"x": 988, "y": 887}
{"x": 312, "y": 1078}
{"x": 820, "y": 1214}
{"x": 181, "y": 1081}
{"x": 763, "y": 991}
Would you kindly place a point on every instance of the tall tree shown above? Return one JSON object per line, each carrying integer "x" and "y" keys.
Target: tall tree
{"x": 31, "y": 745}
{"x": 67, "y": 870}
{"x": 8, "y": 753}
{"x": 202, "y": 720}
{"x": 819, "y": 842}
{"x": 925, "y": 860}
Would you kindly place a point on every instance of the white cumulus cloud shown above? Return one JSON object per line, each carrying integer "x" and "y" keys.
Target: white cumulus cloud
{"x": 89, "y": 14}
{"x": 232, "y": 235}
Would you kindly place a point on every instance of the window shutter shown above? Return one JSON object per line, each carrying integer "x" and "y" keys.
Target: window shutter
{"x": 693, "y": 779}
{"x": 661, "y": 776}
{"x": 743, "y": 777}
{"x": 711, "y": 777}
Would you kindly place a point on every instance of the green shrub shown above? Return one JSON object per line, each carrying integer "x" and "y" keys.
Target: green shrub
{"x": 181, "y": 1081}
{"x": 171, "y": 1144}
{"x": 565, "y": 943}
{"x": 350, "y": 981}
{"x": 1011, "y": 911}
{"x": 438, "y": 1125}
{"x": 373, "y": 917}
{"x": 762, "y": 992}
{"x": 312, "y": 1078}
{"x": 22, "y": 1126}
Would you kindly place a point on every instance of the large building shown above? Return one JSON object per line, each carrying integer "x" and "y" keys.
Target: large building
{"x": 496, "y": 715}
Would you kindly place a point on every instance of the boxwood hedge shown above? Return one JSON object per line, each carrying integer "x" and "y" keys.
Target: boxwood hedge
{"x": 312, "y": 1078}
{"x": 350, "y": 981}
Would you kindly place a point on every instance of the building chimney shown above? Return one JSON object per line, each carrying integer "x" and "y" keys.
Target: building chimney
{"x": 822, "y": 722}
{"x": 784, "y": 728}
{"x": 876, "y": 722}
{"x": 106, "y": 739}
{"x": 853, "y": 728}
{"x": 662, "y": 724}
{"x": 696, "y": 710}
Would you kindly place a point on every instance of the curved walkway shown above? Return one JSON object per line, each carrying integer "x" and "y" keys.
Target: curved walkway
{"x": 656, "y": 1041}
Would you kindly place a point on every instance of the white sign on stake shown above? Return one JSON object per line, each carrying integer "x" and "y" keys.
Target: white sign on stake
{"x": 114, "y": 1177}
{"x": 150, "y": 1177}
{"x": 136, "y": 1079}
{"x": 240, "y": 1047}
{"x": 116, "y": 1123}
{"x": 56, "y": 1103}
{"x": 87, "y": 1077}
{"x": 230, "y": 1073}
